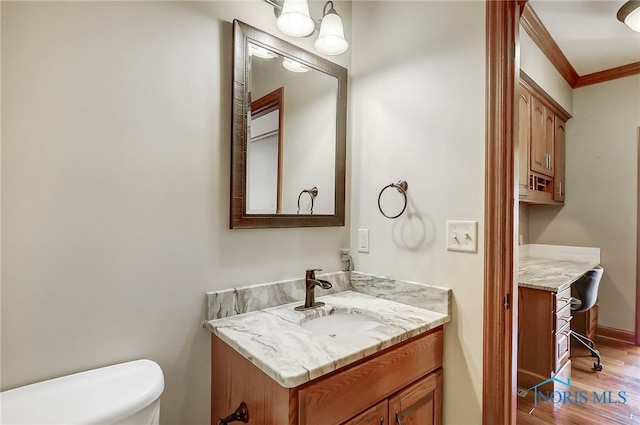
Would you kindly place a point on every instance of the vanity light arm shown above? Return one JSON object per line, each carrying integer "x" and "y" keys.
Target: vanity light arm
{"x": 275, "y": 3}
{"x": 331, "y": 9}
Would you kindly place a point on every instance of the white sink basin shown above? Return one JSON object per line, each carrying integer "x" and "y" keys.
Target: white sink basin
{"x": 341, "y": 324}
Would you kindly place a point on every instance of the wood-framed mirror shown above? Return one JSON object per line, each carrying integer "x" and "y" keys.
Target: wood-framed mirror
{"x": 288, "y": 151}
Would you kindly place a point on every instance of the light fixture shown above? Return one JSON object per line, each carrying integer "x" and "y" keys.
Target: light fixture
{"x": 293, "y": 19}
{"x": 294, "y": 66}
{"x": 331, "y": 39}
{"x": 629, "y": 14}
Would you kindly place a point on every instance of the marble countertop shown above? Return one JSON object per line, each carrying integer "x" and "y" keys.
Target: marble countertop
{"x": 273, "y": 340}
{"x": 551, "y": 274}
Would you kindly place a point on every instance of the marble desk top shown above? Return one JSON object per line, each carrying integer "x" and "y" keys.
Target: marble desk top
{"x": 551, "y": 274}
{"x": 273, "y": 340}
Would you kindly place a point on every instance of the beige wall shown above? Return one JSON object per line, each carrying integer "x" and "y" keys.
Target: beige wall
{"x": 601, "y": 182}
{"x": 537, "y": 66}
{"x": 417, "y": 113}
{"x": 115, "y": 190}
{"x": 115, "y": 181}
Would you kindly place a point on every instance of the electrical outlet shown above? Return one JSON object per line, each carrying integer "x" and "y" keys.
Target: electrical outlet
{"x": 363, "y": 240}
{"x": 462, "y": 236}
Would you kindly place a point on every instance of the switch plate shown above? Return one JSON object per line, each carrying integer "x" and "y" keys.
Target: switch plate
{"x": 363, "y": 240}
{"x": 462, "y": 235}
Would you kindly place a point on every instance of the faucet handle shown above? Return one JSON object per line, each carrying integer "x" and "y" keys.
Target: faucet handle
{"x": 311, "y": 273}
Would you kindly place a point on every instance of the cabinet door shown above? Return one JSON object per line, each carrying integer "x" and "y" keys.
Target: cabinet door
{"x": 549, "y": 140}
{"x": 524, "y": 138}
{"x": 419, "y": 403}
{"x": 558, "y": 181}
{"x": 542, "y": 127}
{"x": 377, "y": 415}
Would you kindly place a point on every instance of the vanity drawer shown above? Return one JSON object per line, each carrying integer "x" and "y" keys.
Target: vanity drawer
{"x": 563, "y": 299}
{"x": 351, "y": 390}
{"x": 563, "y": 317}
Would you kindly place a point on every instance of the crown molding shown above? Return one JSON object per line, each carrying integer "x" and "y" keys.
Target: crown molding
{"x": 539, "y": 34}
{"x": 608, "y": 75}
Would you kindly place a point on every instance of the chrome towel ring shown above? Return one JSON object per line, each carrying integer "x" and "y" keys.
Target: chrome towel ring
{"x": 402, "y": 186}
{"x": 313, "y": 192}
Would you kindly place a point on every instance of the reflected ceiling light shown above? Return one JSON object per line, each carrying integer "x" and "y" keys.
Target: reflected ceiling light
{"x": 294, "y": 66}
{"x": 629, "y": 14}
{"x": 294, "y": 20}
{"x": 260, "y": 52}
{"x": 331, "y": 39}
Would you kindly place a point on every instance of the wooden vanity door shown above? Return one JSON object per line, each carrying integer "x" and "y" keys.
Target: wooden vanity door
{"x": 419, "y": 403}
{"x": 377, "y": 415}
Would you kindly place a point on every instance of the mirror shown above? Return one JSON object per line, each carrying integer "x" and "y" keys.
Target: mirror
{"x": 289, "y": 135}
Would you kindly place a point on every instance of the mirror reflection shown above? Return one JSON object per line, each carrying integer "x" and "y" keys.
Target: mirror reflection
{"x": 292, "y": 139}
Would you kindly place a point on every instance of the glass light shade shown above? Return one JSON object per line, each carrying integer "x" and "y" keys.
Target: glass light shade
{"x": 629, "y": 13}
{"x": 294, "y": 66}
{"x": 260, "y": 52}
{"x": 331, "y": 40}
{"x": 295, "y": 19}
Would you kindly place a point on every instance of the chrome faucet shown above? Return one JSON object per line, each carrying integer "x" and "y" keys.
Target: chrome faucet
{"x": 310, "y": 296}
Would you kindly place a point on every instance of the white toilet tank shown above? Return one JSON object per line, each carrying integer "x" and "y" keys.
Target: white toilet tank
{"x": 122, "y": 394}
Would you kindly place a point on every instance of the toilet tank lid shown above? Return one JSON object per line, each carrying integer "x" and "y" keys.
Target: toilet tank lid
{"x": 98, "y": 396}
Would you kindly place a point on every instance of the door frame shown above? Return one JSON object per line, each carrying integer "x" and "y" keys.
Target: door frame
{"x": 499, "y": 371}
{"x": 499, "y": 401}
{"x": 638, "y": 245}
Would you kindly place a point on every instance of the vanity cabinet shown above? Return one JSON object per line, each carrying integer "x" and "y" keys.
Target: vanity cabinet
{"x": 420, "y": 403}
{"x": 377, "y": 415}
{"x": 543, "y": 336}
{"x": 403, "y": 380}
{"x": 541, "y": 145}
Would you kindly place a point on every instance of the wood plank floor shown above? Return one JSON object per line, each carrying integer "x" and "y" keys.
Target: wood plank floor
{"x": 621, "y": 372}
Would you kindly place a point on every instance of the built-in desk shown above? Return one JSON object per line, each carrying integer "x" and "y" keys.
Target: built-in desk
{"x": 545, "y": 275}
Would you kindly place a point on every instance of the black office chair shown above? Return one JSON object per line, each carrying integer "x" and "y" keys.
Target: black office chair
{"x": 587, "y": 289}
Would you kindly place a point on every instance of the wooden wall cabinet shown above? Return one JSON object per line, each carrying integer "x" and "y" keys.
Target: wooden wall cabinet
{"x": 403, "y": 380}
{"x": 541, "y": 145}
{"x": 560, "y": 132}
{"x": 543, "y": 336}
{"x": 524, "y": 137}
{"x": 542, "y": 126}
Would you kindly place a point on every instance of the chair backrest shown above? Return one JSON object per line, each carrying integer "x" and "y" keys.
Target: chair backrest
{"x": 587, "y": 288}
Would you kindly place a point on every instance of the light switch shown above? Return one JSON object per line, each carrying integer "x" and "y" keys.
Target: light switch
{"x": 462, "y": 235}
